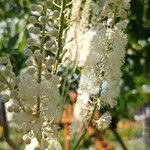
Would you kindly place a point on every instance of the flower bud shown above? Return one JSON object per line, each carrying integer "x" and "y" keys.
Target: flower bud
{"x": 16, "y": 108}
{"x": 37, "y": 148}
{"x": 54, "y": 32}
{"x": 17, "y": 80}
{"x": 26, "y": 129}
{"x": 43, "y": 19}
{"x": 34, "y": 7}
{"x": 39, "y": 8}
{"x": 40, "y": 57}
{"x": 28, "y": 52}
{"x": 2, "y": 86}
{"x": 49, "y": 44}
{"x": 37, "y": 52}
{"x": 10, "y": 108}
{"x": 48, "y": 75}
{"x": 54, "y": 48}
{"x": 28, "y": 109}
{"x": 3, "y": 60}
{"x": 14, "y": 93}
{"x": 32, "y": 19}
{"x": 31, "y": 41}
{"x": 9, "y": 67}
{"x": 29, "y": 62}
{"x": 35, "y": 30}
{"x": 127, "y": 6}
{"x": 4, "y": 97}
{"x": 31, "y": 29}
{"x": 12, "y": 75}
{"x": 6, "y": 72}
{"x": 26, "y": 139}
{"x": 45, "y": 143}
{"x": 31, "y": 70}
{"x": 52, "y": 60}
{"x": 49, "y": 3}
{"x": 55, "y": 14}
{"x": 49, "y": 61}
{"x": 123, "y": 13}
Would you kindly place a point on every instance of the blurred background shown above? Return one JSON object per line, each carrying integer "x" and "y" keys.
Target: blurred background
{"x": 130, "y": 128}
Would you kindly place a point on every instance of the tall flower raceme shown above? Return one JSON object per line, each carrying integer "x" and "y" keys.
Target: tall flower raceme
{"x": 96, "y": 42}
{"x": 35, "y": 91}
{"x": 78, "y": 34}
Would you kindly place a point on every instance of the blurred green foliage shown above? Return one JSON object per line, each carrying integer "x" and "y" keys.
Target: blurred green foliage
{"x": 135, "y": 89}
{"x": 13, "y": 33}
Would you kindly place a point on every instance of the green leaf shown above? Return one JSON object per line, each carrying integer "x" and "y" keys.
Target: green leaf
{"x": 13, "y": 41}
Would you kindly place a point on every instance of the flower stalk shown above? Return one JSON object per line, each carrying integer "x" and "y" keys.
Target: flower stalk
{"x": 85, "y": 131}
{"x": 61, "y": 29}
{"x": 40, "y": 65}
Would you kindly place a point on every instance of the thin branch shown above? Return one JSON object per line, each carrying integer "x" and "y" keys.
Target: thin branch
{"x": 85, "y": 131}
{"x": 6, "y": 129}
{"x": 119, "y": 139}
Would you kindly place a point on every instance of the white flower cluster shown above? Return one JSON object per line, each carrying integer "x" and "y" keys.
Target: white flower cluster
{"x": 35, "y": 92}
{"x": 78, "y": 34}
{"x": 100, "y": 51}
{"x": 43, "y": 15}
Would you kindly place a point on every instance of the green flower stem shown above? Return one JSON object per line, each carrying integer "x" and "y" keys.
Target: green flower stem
{"x": 39, "y": 76}
{"x": 11, "y": 88}
{"x": 70, "y": 3}
{"x": 85, "y": 131}
{"x": 40, "y": 65}
{"x": 65, "y": 90}
{"x": 61, "y": 29}
{"x": 57, "y": 5}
